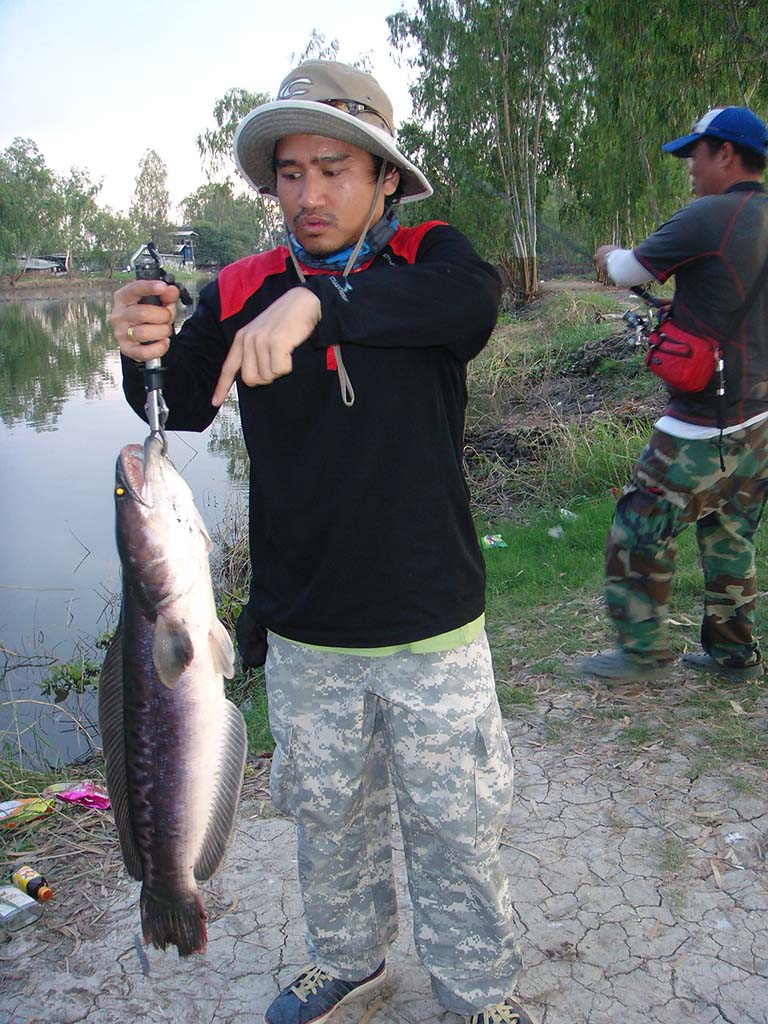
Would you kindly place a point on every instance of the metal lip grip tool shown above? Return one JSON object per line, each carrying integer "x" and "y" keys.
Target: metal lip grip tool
{"x": 148, "y": 268}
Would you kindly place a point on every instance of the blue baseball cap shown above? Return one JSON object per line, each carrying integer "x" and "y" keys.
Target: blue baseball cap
{"x": 732, "y": 124}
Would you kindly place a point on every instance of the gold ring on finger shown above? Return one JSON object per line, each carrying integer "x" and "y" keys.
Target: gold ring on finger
{"x": 130, "y": 334}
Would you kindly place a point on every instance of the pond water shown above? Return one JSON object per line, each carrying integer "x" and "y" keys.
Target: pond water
{"x": 63, "y": 420}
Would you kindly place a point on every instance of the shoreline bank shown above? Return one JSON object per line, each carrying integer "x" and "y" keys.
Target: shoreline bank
{"x": 57, "y": 288}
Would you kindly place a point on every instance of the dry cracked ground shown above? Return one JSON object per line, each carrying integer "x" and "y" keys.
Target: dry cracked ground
{"x": 639, "y": 873}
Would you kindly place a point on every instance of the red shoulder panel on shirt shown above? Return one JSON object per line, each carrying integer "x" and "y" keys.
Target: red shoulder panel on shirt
{"x": 406, "y": 241}
{"x": 238, "y": 281}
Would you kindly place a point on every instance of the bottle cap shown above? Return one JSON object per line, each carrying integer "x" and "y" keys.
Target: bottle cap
{"x": 44, "y": 893}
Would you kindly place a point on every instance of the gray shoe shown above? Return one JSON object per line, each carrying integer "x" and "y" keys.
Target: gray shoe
{"x": 617, "y": 667}
{"x": 706, "y": 663}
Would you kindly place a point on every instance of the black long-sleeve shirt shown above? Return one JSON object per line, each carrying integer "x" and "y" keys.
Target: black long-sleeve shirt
{"x": 360, "y": 528}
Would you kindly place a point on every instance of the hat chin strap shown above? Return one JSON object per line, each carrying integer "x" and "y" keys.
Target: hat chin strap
{"x": 345, "y": 384}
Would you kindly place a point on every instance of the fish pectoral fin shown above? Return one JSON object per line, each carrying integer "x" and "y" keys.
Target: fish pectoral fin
{"x": 222, "y": 651}
{"x": 204, "y": 531}
{"x": 172, "y": 651}
{"x": 228, "y": 782}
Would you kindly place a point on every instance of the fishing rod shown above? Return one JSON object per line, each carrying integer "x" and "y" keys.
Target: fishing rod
{"x": 648, "y": 299}
{"x": 148, "y": 267}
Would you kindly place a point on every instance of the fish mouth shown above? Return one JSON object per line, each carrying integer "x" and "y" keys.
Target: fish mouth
{"x": 129, "y": 472}
{"x": 133, "y": 466}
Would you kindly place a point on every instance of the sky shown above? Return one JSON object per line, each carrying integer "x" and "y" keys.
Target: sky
{"x": 96, "y": 83}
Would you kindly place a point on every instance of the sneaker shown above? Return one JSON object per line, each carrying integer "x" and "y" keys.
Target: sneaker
{"x": 616, "y": 666}
{"x": 315, "y": 994}
{"x": 706, "y": 663}
{"x": 508, "y": 1011}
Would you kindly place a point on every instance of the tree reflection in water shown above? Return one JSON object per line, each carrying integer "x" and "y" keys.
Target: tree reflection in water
{"x": 49, "y": 349}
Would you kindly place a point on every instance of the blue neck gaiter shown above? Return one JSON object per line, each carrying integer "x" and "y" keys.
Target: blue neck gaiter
{"x": 377, "y": 237}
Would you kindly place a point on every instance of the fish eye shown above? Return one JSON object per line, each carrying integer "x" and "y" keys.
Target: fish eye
{"x": 119, "y": 491}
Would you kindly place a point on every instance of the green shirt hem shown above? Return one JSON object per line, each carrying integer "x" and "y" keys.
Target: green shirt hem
{"x": 430, "y": 645}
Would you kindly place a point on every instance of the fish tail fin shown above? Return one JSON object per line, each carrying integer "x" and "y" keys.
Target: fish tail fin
{"x": 178, "y": 922}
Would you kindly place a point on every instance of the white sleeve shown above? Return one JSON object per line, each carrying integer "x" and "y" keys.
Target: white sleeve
{"x": 624, "y": 269}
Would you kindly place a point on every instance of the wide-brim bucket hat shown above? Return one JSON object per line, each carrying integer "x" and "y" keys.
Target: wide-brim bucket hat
{"x": 337, "y": 101}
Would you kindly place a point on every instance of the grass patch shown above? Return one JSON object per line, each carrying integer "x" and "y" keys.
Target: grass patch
{"x": 672, "y": 856}
{"x": 640, "y": 735}
{"x": 556, "y": 553}
{"x": 537, "y": 342}
{"x": 248, "y": 690}
{"x": 511, "y": 698}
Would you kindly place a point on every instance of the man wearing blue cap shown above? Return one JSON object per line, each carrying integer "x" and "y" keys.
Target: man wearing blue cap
{"x": 707, "y": 460}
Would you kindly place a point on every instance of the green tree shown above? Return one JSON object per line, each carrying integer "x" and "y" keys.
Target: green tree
{"x": 216, "y": 149}
{"x": 113, "y": 240}
{"x": 317, "y": 48}
{"x": 487, "y": 93}
{"x": 151, "y": 202}
{"x": 28, "y": 206}
{"x": 77, "y": 195}
{"x": 632, "y": 90}
{"x": 229, "y": 226}
{"x": 212, "y": 203}
{"x": 215, "y": 144}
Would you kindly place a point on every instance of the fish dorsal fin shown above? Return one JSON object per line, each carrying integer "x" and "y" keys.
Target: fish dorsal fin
{"x": 228, "y": 782}
{"x": 172, "y": 651}
{"x": 113, "y": 745}
{"x": 222, "y": 651}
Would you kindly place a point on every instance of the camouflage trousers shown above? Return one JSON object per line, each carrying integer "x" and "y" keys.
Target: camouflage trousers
{"x": 350, "y": 729}
{"x": 677, "y": 482}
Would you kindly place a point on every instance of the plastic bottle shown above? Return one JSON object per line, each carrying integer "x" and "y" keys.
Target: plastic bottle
{"x": 17, "y": 909}
{"x": 32, "y": 883}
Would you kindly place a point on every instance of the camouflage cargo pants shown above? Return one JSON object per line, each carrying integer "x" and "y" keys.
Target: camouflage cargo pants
{"x": 344, "y": 726}
{"x": 677, "y": 482}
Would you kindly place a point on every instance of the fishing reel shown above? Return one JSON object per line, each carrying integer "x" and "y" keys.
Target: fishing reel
{"x": 643, "y": 325}
{"x": 640, "y": 325}
{"x": 149, "y": 268}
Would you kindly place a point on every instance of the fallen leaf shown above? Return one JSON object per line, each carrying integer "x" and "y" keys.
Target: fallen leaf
{"x": 737, "y": 708}
{"x": 718, "y": 877}
{"x": 371, "y": 1012}
{"x": 704, "y": 836}
{"x": 731, "y": 856}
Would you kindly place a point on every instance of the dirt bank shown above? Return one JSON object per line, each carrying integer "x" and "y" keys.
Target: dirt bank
{"x": 59, "y": 287}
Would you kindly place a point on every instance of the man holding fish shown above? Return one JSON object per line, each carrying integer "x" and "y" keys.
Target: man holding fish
{"x": 349, "y": 346}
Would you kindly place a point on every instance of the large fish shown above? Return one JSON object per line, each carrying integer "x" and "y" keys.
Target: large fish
{"x": 174, "y": 745}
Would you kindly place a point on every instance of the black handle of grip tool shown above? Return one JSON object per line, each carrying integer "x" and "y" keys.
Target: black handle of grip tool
{"x": 148, "y": 268}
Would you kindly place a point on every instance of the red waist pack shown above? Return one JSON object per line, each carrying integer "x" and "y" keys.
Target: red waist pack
{"x": 687, "y": 362}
